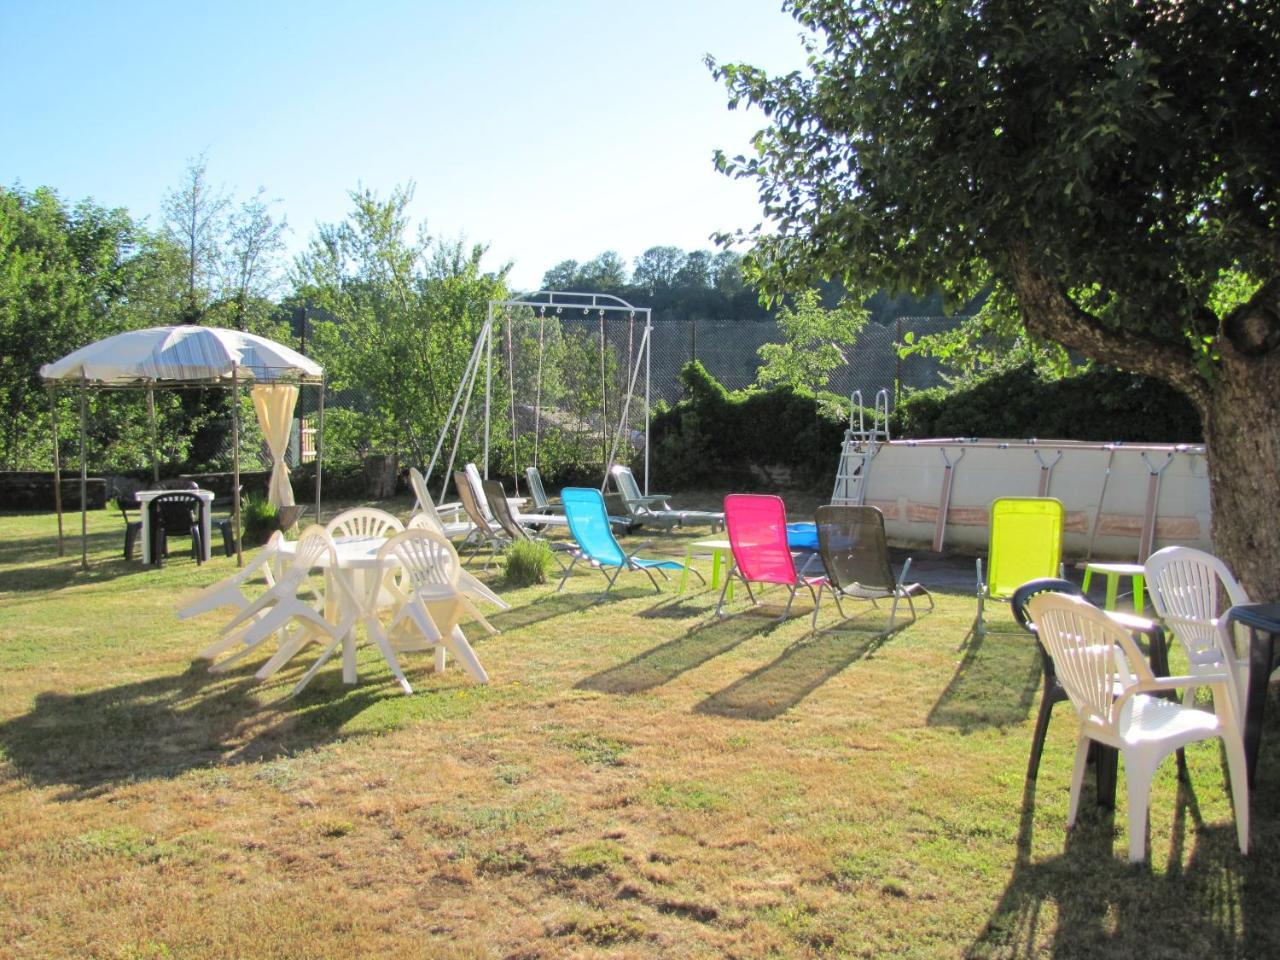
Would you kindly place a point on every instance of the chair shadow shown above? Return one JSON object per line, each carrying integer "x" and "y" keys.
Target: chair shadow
{"x": 994, "y": 684}
{"x": 159, "y": 728}
{"x": 667, "y": 661}
{"x": 544, "y": 608}
{"x": 804, "y": 666}
{"x": 1101, "y": 906}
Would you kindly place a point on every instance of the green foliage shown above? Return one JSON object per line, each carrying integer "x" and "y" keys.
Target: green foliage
{"x": 403, "y": 314}
{"x": 69, "y": 276}
{"x": 1095, "y": 405}
{"x": 989, "y": 341}
{"x": 257, "y": 519}
{"x": 1129, "y": 146}
{"x": 718, "y": 438}
{"x": 817, "y": 341}
{"x": 527, "y": 562}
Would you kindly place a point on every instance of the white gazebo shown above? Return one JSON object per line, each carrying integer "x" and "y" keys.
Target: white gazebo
{"x": 185, "y": 356}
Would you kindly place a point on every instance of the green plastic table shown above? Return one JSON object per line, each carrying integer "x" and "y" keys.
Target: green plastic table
{"x": 1113, "y": 572}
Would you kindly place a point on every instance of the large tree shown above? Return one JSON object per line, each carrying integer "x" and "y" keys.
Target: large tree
{"x": 62, "y": 272}
{"x": 406, "y": 310}
{"x": 194, "y": 222}
{"x": 1111, "y": 165}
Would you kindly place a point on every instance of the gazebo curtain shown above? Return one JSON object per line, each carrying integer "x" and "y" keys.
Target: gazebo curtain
{"x": 274, "y": 405}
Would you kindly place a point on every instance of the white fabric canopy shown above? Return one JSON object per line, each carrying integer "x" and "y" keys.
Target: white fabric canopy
{"x": 274, "y": 405}
{"x": 185, "y": 355}
{"x": 182, "y": 353}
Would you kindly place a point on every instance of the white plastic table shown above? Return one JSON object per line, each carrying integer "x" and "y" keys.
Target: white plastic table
{"x": 356, "y": 557}
{"x": 146, "y": 496}
{"x": 357, "y": 560}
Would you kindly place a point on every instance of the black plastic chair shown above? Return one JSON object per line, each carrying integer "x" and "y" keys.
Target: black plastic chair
{"x": 224, "y": 524}
{"x": 1053, "y": 690}
{"x": 175, "y": 514}
{"x": 127, "y": 502}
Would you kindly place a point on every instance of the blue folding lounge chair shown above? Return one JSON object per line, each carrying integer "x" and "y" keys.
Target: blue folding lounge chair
{"x": 589, "y": 524}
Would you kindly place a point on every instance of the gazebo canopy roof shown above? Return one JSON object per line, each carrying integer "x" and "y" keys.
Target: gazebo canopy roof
{"x": 182, "y": 354}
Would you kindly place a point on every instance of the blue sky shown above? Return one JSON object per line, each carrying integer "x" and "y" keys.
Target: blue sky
{"x": 548, "y": 130}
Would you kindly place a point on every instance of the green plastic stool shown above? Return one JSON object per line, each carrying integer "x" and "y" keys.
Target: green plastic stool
{"x": 1113, "y": 572}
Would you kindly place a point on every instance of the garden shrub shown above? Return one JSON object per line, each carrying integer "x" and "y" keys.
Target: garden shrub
{"x": 257, "y": 520}
{"x": 1095, "y": 405}
{"x": 715, "y": 437}
{"x": 527, "y": 562}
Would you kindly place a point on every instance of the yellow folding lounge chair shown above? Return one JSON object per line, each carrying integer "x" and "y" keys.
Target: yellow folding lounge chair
{"x": 1025, "y": 544}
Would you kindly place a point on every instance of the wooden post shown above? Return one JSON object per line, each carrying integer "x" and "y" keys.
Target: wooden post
{"x": 151, "y": 419}
{"x": 84, "y": 475}
{"x": 319, "y": 447}
{"x": 235, "y": 462}
{"x": 57, "y": 466}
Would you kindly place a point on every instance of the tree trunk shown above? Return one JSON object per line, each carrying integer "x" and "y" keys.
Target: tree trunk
{"x": 1242, "y": 436}
{"x": 1239, "y": 404}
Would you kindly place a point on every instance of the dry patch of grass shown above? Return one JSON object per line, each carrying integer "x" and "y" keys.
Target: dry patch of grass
{"x": 639, "y": 780}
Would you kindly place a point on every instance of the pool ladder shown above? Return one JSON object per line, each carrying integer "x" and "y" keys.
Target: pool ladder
{"x": 860, "y": 447}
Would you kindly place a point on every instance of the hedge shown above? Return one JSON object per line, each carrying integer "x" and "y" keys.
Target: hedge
{"x": 1095, "y": 405}
{"x": 772, "y": 438}
{"x": 716, "y": 438}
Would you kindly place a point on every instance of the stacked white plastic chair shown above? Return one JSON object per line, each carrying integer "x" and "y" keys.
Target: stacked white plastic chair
{"x": 229, "y": 592}
{"x": 469, "y": 583}
{"x": 1118, "y": 702}
{"x": 284, "y": 602}
{"x": 427, "y": 604}
{"x": 361, "y": 523}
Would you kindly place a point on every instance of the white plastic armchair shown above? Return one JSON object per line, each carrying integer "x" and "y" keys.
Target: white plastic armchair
{"x": 1190, "y": 589}
{"x": 228, "y": 592}
{"x": 285, "y": 602}
{"x": 1117, "y": 699}
{"x": 470, "y": 584}
{"x": 363, "y": 523}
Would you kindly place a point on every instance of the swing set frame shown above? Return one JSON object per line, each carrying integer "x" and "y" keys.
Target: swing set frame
{"x": 603, "y": 306}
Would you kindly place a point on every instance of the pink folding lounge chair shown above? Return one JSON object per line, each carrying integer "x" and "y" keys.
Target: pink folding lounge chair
{"x": 757, "y": 527}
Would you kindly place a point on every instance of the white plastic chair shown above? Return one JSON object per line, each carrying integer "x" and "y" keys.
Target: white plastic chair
{"x": 1117, "y": 699}
{"x": 427, "y": 602}
{"x": 654, "y": 508}
{"x": 284, "y": 602}
{"x": 228, "y": 593}
{"x": 362, "y": 523}
{"x": 470, "y": 584}
{"x": 448, "y": 516}
{"x": 1187, "y": 589}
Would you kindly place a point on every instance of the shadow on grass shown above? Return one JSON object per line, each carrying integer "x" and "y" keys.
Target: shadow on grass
{"x": 544, "y": 608}
{"x": 803, "y": 667}
{"x": 680, "y": 607}
{"x": 1088, "y": 901}
{"x": 161, "y": 727}
{"x": 46, "y": 571}
{"x": 994, "y": 683}
{"x": 667, "y": 661}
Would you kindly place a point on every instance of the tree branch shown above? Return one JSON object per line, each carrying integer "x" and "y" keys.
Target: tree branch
{"x": 1253, "y": 328}
{"x": 1048, "y": 312}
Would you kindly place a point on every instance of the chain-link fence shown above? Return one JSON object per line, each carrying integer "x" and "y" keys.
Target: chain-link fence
{"x": 730, "y": 352}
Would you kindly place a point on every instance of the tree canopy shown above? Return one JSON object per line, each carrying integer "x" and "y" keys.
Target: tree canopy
{"x": 1109, "y": 166}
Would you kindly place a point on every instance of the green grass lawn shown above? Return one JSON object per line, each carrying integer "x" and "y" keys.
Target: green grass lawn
{"x": 640, "y": 779}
